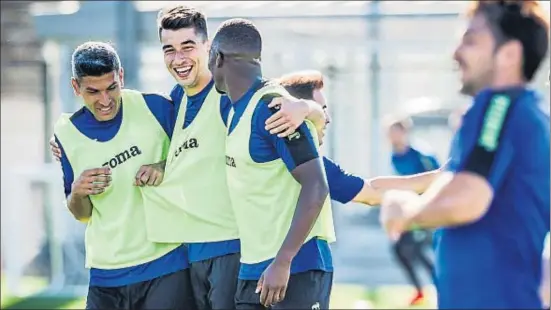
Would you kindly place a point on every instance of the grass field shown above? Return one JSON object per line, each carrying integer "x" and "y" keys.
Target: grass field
{"x": 343, "y": 297}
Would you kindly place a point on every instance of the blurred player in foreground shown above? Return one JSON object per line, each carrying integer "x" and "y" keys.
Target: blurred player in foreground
{"x": 545, "y": 283}
{"x": 412, "y": 245}
{"x": 103, "y": 146}
{"x": 277, "y": 185}
{"x": 492, "y": 208}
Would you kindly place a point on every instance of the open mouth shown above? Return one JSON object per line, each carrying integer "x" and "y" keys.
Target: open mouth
{"x": 105, "y": 111}
{"x": 183, "y": 72}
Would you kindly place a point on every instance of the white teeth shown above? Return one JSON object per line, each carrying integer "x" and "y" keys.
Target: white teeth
{"x": 183, "y": 69}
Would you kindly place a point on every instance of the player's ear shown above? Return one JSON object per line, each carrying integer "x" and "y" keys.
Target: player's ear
{"x": 219, "y": 59}
{"x": 76, "y": 87}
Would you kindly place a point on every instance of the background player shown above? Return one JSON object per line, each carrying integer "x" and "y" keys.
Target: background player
{"x": 493, "y": 244}
{"x": 127, "y": 270}
{"x": 412, "y": 245}
{"x": 277, "y": 183}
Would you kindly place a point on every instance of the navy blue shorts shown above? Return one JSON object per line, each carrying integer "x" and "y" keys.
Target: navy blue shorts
{"x": 214, "y": 282}
{"x": 306, "y": 290}
{"x": 172, "y": 291}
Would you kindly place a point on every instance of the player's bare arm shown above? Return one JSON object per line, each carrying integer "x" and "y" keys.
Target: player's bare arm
{"x": 452, "y": 200}
{"x": 418, "y": 183}
{"x": 369, "y": 195}
{"x": 313, "y": 193}
{"x": 90, "y": 182}
{"x": 292, "y": 113}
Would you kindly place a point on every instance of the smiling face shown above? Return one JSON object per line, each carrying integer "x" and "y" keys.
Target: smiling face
{"x": 101, "y": 94}
{"x": 475, "y": 56}
{"x": 185, "y": 55}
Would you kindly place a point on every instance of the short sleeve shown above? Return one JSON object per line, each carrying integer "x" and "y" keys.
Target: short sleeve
{"x": 343, "y": 186}
{"x": 163, "y": 109}
{"x": 295, "y": 149}
{"x": 68, "y": 174}
{"x": 489, "y": 152}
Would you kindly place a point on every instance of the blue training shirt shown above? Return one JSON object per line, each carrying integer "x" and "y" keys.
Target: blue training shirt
{"x": 200, "y": 251}
{"x": 495, "y": 262}
{"x": 343, "y": 186}
{"x": 413, "y": 161}
{"x": 85, "y": 122}
{"x": 264, "y": 147}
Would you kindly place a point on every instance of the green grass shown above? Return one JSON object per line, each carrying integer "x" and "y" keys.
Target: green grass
{"x": 344, "y": 296}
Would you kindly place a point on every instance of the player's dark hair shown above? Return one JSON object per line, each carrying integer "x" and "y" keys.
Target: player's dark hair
{"x": 238, "y": 36}
{"x": 180, "y": 17}
{"x": 302, "y": 84}
{"x": 521, "y": 20}
{"x": 94, "y": 59}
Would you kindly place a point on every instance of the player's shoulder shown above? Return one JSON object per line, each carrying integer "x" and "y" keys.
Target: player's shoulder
{"x": 177, "y": 93}
{"x": 156, "y": 98}
{"x": 422, "y": 148}
{"x": 78, "y": 115}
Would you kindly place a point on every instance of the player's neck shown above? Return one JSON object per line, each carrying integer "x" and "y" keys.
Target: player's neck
{"x": 507, "y": 81}
{"x": 203, "y": 80}
{"x": 238, "y": 85}
{"x": 400, "y": 148}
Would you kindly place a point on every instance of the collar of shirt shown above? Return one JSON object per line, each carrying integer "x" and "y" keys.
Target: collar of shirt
{"x": 518, "y": 92}
{"x": 90, "y": 119}
{"x": 242, "y": 102}
{"x": 192, "y": 100}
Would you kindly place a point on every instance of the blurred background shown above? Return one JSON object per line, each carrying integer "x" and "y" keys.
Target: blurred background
{"x": 378, "y": 57}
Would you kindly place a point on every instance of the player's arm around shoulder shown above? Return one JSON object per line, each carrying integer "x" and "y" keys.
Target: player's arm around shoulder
{"x": 290, "y": 113}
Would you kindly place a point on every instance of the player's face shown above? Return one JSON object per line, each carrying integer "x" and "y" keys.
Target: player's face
{"x": 319, "y": 98}
{"x": 101, "y": 94}
{"x": 475, "y": 56}
{"x": 185, "y": 54}
{"x": 397, "y": 136}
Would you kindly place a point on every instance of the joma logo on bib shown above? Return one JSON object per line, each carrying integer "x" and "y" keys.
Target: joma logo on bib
{"x": 188, "y": 144}
{"x": 123, "y": 157}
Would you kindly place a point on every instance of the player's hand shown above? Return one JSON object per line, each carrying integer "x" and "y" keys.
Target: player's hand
{"x": 397, "y": 209}
{"x": 290, "y": 115}
{"x": 56, "y": 150}
{"x": 273, "y": 283}
{"x": 150, "y": 175}
{"x": 92, "y": 182}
